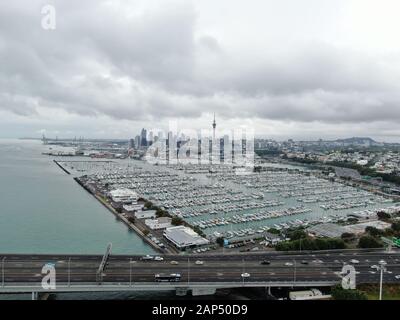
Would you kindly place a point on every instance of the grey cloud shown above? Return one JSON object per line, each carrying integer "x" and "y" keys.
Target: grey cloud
{"x": 155, "y": 64}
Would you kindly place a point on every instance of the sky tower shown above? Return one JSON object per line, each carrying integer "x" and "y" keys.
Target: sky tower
{"x": 214, "y": 125}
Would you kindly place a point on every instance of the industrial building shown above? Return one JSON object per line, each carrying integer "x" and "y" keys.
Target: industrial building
{"x": 183, "y": 237}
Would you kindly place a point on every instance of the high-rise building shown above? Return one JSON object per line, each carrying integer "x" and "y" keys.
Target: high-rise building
{"x": 151, "y": 138}
{"x": 143, "y": 138}
{"x": 131, "y": 144}
{"x": 137, "y": 141}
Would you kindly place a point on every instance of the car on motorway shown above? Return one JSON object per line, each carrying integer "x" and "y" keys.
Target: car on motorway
{"x": 288, "y": 264}
{"x": 199, "y": 262}
{"x": 397, "y": 277}
{"x": 174, "y": 262}
{"x": 374, "y": 267}
{"x": 383, "y": 262}
{"x": 304, "y": 262}
{"x": 354, "y": 261}
{"x": 147, "y": 258}
{"x": 158, "y": 258}
{"x": 265, "y": 262}
{"x": 245, "y": 275}
{"x": 317, "y": 261}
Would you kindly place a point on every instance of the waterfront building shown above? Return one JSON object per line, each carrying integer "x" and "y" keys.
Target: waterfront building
{"x": 160, "y": 223}
{"x": 145, "y": 214}
{"x": 124, "y": 196}
{"x": 183, "y": 237}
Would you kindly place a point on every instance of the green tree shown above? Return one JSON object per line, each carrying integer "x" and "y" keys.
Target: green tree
{"x": 374, "y": 232}
{"x": 311, "y": 244}
{"x": 148, "y": 204}
{"x": 338, "y": 293}
{"x": 220, "y": 241}
{"x": 383, "y": 215}
{"x": 176, "y": 221}
{"x": 274, "y": 231}
{"x": 199, "y": 231}
{"x": 297, "y": 234}
{"x": 348, "y": 236}
{"x": 396, "y": 226}
{"x": 369, "y": 242}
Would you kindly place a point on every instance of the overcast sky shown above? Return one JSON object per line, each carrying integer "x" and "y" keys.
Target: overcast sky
{"x": 304, "y": 69}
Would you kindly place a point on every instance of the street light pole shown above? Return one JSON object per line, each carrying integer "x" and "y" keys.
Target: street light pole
{"x": 381, "y": 283}
{"x": 69, "y": 272}
{"x": 2, "y": 270}
{"x": 243, "y": 271}
{"x": 188, "y": 271}
{"x": 295, "y": 271}
{"x": 130, "y": 272}
{"x": 381, "y": 267}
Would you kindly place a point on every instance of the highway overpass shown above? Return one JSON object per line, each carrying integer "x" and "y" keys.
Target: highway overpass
{"x": 79, "y": 273}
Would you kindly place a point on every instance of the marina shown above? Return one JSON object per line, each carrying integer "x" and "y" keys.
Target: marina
{"x": 223, "y": 203}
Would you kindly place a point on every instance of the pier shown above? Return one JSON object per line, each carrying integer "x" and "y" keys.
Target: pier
{"x": 62, "y": 168}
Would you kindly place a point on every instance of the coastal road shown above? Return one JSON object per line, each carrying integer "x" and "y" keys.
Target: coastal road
{"x": 318, "y": 266}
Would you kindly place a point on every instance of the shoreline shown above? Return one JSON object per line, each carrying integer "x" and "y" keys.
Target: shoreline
{"x": 62, "y": 168}
{"x": 122, "y": 219}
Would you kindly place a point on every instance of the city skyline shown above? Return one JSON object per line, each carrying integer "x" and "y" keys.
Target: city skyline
{"x": 305, "y": 70}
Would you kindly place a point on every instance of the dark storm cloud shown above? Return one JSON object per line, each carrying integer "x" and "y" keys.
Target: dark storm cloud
{"x": 154, "y": 63}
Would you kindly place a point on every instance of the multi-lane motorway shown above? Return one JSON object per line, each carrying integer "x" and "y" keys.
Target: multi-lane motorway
{"x": 318, "y": 266}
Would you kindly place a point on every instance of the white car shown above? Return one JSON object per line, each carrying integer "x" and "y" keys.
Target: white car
{"x": 354, "y": 261}
{"x": 374, "y": 266}
{"x": 383, "y": 262}
{"x": 397, "y": 277}
{"x": 158, "y": 258}
{"x": 199, "y": 262}
{"x": 174, "y": 262}
{"x": 288, "y": 264}
{"x": 245, "y": 275}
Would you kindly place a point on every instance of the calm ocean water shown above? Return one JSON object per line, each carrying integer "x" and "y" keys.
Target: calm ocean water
{"x": 43, "y": 210}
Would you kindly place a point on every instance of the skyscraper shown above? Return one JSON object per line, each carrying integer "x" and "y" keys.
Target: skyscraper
{"x": 143, "y": 138}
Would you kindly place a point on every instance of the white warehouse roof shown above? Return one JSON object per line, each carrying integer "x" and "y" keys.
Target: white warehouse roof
{"x": 183, "y": 237}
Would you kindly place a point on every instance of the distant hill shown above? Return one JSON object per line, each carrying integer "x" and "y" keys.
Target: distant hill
{"x": 364, "y": 141}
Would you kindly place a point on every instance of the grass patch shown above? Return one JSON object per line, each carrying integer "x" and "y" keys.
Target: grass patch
{"x": 390, "y": 291}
